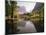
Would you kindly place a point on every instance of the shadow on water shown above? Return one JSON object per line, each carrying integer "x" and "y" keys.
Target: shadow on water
{"x": 39, "y": 25}
{"x": 24, "y": 27}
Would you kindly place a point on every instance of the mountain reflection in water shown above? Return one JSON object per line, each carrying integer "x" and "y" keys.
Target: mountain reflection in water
{"x": 26, "y": 26}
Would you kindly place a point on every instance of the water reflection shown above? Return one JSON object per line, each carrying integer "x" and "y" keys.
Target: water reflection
{"x": 26, "y": 26}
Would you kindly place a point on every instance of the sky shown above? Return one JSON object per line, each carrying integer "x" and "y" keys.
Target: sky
{"x": 28, "y": 5}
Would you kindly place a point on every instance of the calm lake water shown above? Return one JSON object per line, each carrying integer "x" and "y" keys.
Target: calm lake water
{"x": 26, "y": 26}
{"x": 23, "y": 27}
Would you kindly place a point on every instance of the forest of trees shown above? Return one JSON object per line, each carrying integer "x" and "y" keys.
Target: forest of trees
{"x": 38, "y": 13}
{"x": 10, "y": 7}
{"x": 11, "y": 27}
